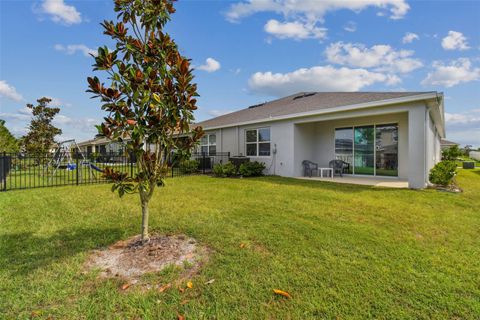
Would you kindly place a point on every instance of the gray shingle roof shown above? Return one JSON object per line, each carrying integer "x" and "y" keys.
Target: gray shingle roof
{"x": 299, "y": 103}
{"x": 445, "y": 142}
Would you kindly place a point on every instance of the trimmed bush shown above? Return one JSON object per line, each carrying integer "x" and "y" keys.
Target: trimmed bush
{"x": 224, "y": 170}
{"x": 189, "y": 166}
{"x": 451, "y": 153}
{"x": 252, "y": 169}
{"x": 443, "y": 173}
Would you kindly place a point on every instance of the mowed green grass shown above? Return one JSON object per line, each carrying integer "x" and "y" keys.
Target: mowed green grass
{"x": 341, "y": 251}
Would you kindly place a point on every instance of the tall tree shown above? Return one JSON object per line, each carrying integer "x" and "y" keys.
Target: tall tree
{"x": 41, "y": 132}
{"x": 8, "y": 143}
{"x": 150, "y": 99}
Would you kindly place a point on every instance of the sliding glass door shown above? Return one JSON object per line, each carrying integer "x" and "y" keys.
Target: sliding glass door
{"x": 344, "y": 146}
{"x": 386, "y": 146}
{"x": 364, "y": 150}
{"x": 368, "y": 150}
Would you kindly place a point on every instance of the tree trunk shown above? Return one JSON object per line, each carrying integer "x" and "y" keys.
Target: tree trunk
{"x": 145, "y": 197}
{"x": 144, "y": 202}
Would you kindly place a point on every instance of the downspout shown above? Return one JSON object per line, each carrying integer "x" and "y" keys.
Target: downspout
{"x": 425, "y": 178}
{"x": 221, "y": 140}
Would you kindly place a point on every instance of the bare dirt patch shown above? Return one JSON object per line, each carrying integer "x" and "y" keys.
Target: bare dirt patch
{"x": 130, "y": 259}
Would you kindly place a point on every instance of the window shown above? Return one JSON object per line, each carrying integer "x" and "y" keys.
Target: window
{"x": 257, "y": 142}
{"x": 208, "y": 144}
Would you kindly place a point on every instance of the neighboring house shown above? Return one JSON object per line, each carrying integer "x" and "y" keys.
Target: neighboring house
{"x": 474, "y": 155}
{"x": 445, "y": 144}
{"x": 394, "y": 134}
{"x": 100, "y": 145}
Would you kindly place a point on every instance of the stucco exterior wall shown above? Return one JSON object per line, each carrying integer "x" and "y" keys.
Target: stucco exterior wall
{"x": 416, "y": 149}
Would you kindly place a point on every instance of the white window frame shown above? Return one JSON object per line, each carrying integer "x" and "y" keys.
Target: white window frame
{"x": 257, "y": 143}
{"x": 209, "y": 143}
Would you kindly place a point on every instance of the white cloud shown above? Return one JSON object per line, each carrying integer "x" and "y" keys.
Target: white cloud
{"x": 350, "y": 26}
{"x": 380, "y": 57}
{"x": 409, "y": 37}
{"x": 9, "y": 91}
{"x": 318, "y": 78}
{"x": 74, "y": 127}
{"x": 73, "y": 48}
{"x": 462, "y": 118}
{"x": 217, "y": 112}
{"x": 451, "y": 74}
{"x": 25, "y": 111}
{"x": 14, "y": 116}
{"x": 211, "y": 65}
{"x": 56, "y": 102}
{"x": 236, "y": 71}
{"x": 294, "y": 30}
{"x": 84, "y": 125}
{"x": 60, "y": 12}
{"x": 311, "y": 10}
{"x": 455, "y": 41}
{"x": 464, "y": 127}
{"x": 21, "y": 115}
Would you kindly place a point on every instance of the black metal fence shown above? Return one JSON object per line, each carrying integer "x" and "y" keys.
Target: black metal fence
{"x": 21, "y": 171}
{"x": 199, "y": 163}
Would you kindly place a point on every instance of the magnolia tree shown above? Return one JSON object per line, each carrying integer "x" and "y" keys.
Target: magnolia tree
{"x": 41, "y": 132}
{"x": 150, "y": 99}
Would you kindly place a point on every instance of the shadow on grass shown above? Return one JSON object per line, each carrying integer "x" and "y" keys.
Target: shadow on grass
{"x": 22, "y": 253}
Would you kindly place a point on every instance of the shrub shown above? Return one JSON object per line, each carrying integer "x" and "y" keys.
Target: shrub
{"x": 229, "y": 169}
{"x": 451, "y": 153}
{"x": 252, "y": 169}
{"x": 443, "y": 173}
{"x": 218, "y": 170}
{"x": 224, "y": 170}
{"x": 189, "y": 166}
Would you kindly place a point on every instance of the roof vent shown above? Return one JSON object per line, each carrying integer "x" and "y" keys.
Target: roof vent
{"x": 256, "y": 105}
{"x": 304, "y": 95}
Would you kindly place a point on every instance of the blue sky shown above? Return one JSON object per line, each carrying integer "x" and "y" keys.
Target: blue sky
{"x": 247, "y": 52}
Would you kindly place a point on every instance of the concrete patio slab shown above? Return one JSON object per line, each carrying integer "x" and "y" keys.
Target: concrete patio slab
{"x": 368, "y": 181}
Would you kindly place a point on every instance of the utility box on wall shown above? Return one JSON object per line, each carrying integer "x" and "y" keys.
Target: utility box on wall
{"x": 238, "y": 160}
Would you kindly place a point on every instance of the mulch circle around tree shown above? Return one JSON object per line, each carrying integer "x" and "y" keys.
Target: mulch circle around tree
{"x": 130, "y": 259}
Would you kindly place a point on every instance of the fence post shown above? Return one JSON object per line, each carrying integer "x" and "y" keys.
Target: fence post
{"x": 77, "y": 167}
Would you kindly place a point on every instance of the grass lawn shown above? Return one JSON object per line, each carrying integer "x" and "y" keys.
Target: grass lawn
{"x": 341, "y": 251}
